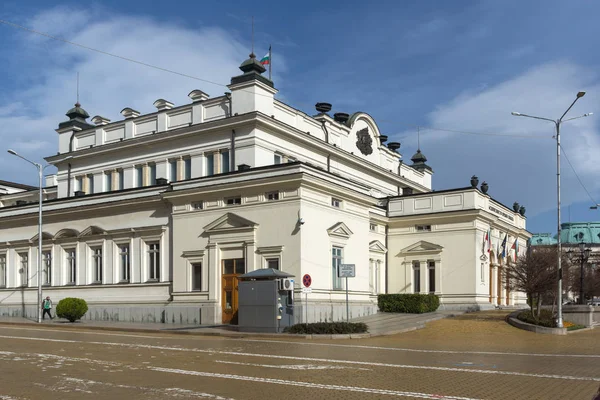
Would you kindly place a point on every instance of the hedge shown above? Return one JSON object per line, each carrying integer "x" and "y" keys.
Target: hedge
{"x": 546, "y": 318}
{"x": 327, "y": 328}
{"x": 71, "y": 308}
{"x": 408, "y": 303}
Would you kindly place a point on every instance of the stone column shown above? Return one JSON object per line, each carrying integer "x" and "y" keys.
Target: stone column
{"x": 115, "y": 180}
{"x": 217, "y": 162}
{"x": 146, "y": 175}
{"x": 180, "y": 169}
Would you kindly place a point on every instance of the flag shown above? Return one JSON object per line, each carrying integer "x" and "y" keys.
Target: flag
{"x": 515, "y": 247}
{"x": 489, "y": 240}
{"x": 484, "y": 243}
{"x": 504, "y": 245}
{"x": 266, "y": 60}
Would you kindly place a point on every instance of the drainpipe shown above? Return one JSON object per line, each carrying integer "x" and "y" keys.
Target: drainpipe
{"x": 326, "y": 131}
{"x": 232, "y": 157}
{"x": 387, "y": 254}
{"x": 69, "y": 166}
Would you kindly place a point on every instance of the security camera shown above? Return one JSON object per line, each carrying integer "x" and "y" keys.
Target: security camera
{"x": 301, "y": 221}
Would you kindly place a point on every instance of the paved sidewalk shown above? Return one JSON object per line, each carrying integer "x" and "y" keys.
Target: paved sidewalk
{"x": 380, "y": 324}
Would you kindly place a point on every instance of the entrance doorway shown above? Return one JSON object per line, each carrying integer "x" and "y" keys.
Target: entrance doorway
{"x": 232, "y": 268}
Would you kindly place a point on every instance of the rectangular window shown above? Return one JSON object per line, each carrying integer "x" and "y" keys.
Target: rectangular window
{"x": 79, "y": 183}
{"x": 372, "y": 227}
{"x": 47, "y": 264}
{"x": 277, "y": 159}
{"x": 423, "y": 228}
{"x": 24, "y": 271}
{"x": 107, "y": 181}
{"x": 197, "y": 277}
{"x": 416, "y": 277}
{"x": 172, "y": 170}
{"x": 210, "y": 164}
{"x": 431, "y": 270}
{"x": 124, "y": 263}
{"x": 97, "y": 264}
{"x": 187, "y": 168}
{"x": 233, "y": 201}
{"x": 225, "y": 161}
{"x": 139, "y": 176}
{"x": 271, "y": 196}
{"x": 71, "y": 267}
{"x": 336, "y": 202}
{"x": 90, "y": 179}
{"x": 153, "y": 261}
{"x": 152, "y": 173}
{"x": 2, "y": 271}
{"x": 336, "y": 260}
{"x": 234, "y": 266}
{"x": 121, "y": 185}
{"x": 273, "y": 263}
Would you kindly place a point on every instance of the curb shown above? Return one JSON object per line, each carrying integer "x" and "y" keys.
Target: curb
{"x": 236, "y": 335}
{"x": 512, "y": 320}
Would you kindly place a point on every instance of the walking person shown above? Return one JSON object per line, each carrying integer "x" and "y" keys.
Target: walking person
{"x": 47, "y": 308}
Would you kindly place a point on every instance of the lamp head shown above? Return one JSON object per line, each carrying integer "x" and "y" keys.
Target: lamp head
{"x": 14, "y": 153}
{"x": 580, "y": 94}
{"x": 516, "y": 114}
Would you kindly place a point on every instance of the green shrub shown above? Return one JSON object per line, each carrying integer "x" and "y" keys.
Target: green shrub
{"x": 546, "y": 318}
{"x": 71, "y": 308}
{"x": 327, "y": 328}
{"x": 413, "y": 303}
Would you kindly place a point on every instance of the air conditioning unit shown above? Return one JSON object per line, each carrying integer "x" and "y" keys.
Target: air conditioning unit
{"x": 286, "y": 284}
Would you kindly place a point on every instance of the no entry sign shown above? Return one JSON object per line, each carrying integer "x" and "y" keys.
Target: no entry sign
{"x": 306, "y": 280}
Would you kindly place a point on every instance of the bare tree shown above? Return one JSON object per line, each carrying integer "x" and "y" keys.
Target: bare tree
{"x": 534, "y": 274}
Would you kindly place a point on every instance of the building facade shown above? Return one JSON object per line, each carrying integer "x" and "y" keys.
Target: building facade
{"x": 153, "y": 217}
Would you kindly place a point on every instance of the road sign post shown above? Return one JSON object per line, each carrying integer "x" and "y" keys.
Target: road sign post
{"x": 347, "y": 271}
{"x": 306, "y": 281}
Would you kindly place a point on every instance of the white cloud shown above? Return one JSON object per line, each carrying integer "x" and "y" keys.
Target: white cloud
{"x": 29, "y": 115}
{"x": 517, "y": 168}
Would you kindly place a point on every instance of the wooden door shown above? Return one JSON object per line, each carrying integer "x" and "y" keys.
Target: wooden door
{"x": 232, "y": 268}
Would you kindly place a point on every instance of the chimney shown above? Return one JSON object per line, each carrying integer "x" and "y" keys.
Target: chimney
{"x": 162, "y": 104}
{"x": 161, "y": 181}
{"x": 129, "y": 113}
{"x": 98, "y": 120}
{"x": 341, "y": 117}
{"x": 79, "y": 193}
{"x": 243, "y": 167}
{"x": 198, "y": 95}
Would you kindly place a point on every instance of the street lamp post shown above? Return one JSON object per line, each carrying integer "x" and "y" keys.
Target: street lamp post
{"x": 557, "y": 124}
{"x": 40, "y": 169}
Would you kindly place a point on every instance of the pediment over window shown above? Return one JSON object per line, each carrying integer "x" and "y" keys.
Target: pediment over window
{"x": 421, "y": 247}
{"x": 340, "y": 230}
{"x": 45, "y": 236}
{"x": 66, "y": 233}
{"x": 230, "y": 223}
{"x": 377, "y": 247}
{"x": 92, "y": 230}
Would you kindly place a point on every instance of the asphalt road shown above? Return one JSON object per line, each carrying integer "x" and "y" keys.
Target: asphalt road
{"x": 53, "y": 363}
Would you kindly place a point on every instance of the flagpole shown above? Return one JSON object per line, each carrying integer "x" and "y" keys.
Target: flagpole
{"x": 270, "y": 62}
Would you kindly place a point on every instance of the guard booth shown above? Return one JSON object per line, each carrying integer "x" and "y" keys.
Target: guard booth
{"x": 266, "y": 301}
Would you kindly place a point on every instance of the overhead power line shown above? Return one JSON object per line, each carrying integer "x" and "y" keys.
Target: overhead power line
{"x": 577, "y": 176}
{"x": 14, "y": 25}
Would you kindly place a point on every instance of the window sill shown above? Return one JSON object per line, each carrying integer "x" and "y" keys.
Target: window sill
{"x": 70, "y": 284}
{"x": 96, "y": 283}
{"x": 152, "y": 281}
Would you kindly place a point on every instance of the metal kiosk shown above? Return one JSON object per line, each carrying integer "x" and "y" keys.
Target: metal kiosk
{"x": 266, "y": 301}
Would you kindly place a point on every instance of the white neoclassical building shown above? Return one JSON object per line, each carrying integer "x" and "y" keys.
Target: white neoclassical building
{"x": 153, "y": 217}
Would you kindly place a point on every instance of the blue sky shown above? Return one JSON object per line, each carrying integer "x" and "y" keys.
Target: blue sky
{"x": 451, "y": 65}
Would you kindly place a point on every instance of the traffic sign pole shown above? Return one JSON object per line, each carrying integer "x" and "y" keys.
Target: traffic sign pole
{"x": 347, "y": 306}
{"x": 306, "y": 281}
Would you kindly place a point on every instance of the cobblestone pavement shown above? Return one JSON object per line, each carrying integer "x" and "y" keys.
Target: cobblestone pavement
{"x": 474, "y": 356}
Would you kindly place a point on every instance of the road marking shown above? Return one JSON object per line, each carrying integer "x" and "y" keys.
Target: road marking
{"x": 300, "y": 367}
{"x": 313, "y": 344}
{"x": 309, "y": 359}
{"x": 495, "y": 353}
{"x": 310, "y": 385}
